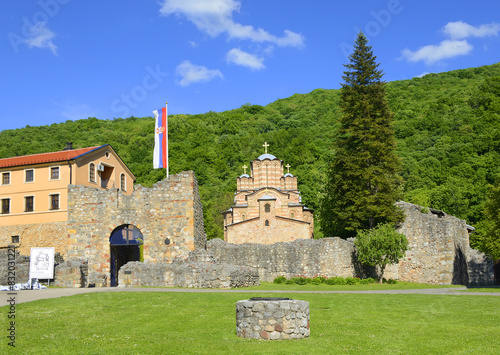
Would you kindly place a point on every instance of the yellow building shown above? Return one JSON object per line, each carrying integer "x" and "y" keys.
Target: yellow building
{"x": 267, "y": 206}
{"x": 34, "y": 188}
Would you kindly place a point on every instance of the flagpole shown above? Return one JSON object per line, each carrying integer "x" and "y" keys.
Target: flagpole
{"x": 166, "y": 122}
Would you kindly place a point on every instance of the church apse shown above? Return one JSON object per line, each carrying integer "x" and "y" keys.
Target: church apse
{"x": 267, "y": 205}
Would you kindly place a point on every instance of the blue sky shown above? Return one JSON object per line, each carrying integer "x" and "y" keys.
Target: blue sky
{"x": 72, "y": 59}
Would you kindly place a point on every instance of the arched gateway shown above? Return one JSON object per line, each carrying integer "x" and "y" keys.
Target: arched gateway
{"x": 125, "y": 245}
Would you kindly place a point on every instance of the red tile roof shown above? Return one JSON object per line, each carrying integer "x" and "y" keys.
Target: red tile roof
{"x": 64, "y": 155}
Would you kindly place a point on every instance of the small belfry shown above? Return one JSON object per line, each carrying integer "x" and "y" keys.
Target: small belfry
{"x": 267, "y": 205}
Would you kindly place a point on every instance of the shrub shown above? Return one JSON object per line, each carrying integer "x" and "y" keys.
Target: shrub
{"x": 352, "y": 280}
{"x": 280, "y": 280}
{"x": 290, "y": 281}
{"x": 335, "y": 281}
{"x": 316, "y": 281}
{"x": 301, "y": 280}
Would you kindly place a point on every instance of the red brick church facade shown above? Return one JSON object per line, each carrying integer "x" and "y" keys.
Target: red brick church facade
{"x": 267, "y": 206}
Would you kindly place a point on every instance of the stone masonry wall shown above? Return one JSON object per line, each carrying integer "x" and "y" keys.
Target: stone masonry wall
{"x": 439, "y": 254}
{"x": 169, "y": 216}
{"x": 199, "y": 270}
{"x": 438, "y": 246}
{"x": 481, "y": 269}
{"x": 327, "y": 257}
{"x": 39, "y": 235}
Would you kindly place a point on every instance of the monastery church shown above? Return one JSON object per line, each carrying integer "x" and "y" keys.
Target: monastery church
{"x": 267, "y": 206}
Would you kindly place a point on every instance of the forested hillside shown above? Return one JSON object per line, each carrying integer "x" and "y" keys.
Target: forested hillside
{"x": 447, "y": 129}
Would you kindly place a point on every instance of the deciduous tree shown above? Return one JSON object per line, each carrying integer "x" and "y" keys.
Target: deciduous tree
{"x": 380, "y": 246}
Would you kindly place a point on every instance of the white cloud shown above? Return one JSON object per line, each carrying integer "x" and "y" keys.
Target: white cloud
{"x": 192, "y": 73}
{"x": 461, "y": 30}
{"x": 216, "y": 17}
{"x": 432, "y": 53}
{"x": 239, "y": 57}
{"x": 41, "y": 37}
{"x": 455, "y": 46}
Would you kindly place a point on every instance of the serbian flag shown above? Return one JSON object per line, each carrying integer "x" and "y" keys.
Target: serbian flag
{"x": 161, "y": 152}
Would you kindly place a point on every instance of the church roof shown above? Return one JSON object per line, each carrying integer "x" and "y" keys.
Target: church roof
{"x": 267, "y": 197}
{"x": 244, "y": 175}
{"x": 267, "y": 156}
{"x": 288, "y": 174}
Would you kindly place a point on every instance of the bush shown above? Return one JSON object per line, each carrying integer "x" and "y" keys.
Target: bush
{"x": 280, "y": 280}
{"x": 290, "y": 281}
{"x": 351, "y": 280}
{"x": 335, "y": 281}
{"x": 316, "y": 281}
{"x": 301, "y": 280}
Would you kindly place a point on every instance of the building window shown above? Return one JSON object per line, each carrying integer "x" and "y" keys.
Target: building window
{"x": 267, "y": 207}
{"x": 243, "y": 217}
{"x": 266, "y": 223}
{"x": 15, "y": 239}
{"x": 92, "y": 172}
{"x": 5, "y": 205}
{"x": 292, "y": 214}
{"x": 122, "y": 182}
{"x": 29, "y": 203}
{"x": 29, "y": 175}
{"x": 5, "y": 178}
{"x": 54, "y": 173}
{"x": 54, "y": 202}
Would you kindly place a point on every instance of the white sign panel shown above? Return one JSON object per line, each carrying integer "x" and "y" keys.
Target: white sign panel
{"x": 42, "y": 263}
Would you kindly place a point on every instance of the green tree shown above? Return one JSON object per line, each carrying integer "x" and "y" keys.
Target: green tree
{"x": 380, "y": 246}
{"x": 487, "y": 236}
{"x": 362, "y": 179}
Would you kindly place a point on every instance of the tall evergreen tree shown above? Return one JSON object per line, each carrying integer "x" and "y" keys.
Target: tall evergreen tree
{"x": 362, "y": 180}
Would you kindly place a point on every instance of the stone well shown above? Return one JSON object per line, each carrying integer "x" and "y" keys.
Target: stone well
{"x": 272, "y": 318}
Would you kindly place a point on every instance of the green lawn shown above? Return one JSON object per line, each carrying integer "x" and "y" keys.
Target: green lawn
{"x": 400, "y": 285}
{"x": 201, "y": 323}
{"x": 482, "y": 289}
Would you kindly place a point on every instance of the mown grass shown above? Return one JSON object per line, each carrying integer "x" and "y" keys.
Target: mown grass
{"x": 204, "y": 323}
{"x": 400, "y": 285}
{"x": 482, "y": 289}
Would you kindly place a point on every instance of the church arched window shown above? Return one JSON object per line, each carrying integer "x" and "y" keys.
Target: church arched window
{"x": 267, "y": 207}
{"x": 243, "y": 217}
{"x": 292, "y": 214}
{"x": 266, "y": 223}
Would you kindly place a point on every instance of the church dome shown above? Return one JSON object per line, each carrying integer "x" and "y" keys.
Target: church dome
{"x": 288, "y": 175}
{"x": 267, "y": 156}
{"x": 244, "y": 175}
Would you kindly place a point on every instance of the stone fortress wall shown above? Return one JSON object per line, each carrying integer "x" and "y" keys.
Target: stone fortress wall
{"x": 169, "y": 216}
{"x": 439, "y": 254}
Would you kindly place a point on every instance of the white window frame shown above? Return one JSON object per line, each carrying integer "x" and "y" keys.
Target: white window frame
{"x": 50, "y": 172}
{"x": 10, "y": 178}
{"x": 24, "y": 204}
{"x": 58, "y": 202}
{"x": 25, "y": 172}
{"x": 10, "y": 205}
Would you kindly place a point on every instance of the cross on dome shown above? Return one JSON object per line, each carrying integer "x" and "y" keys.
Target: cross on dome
{"x": 265, "y": 145}
{"x": 244, "y": 169}
{"x": 288, "y": 166}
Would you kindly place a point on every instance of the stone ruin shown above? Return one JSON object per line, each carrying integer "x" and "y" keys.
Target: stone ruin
{"x": 199, "y": 270}
{"x": 439, "y": 254}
